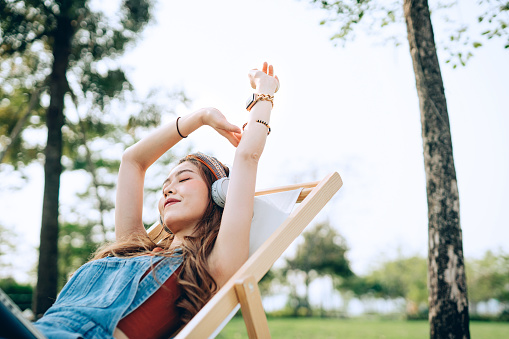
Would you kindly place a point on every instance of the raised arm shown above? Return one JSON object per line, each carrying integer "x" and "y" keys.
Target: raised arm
{"x": 138, "y": 158}
{"x": 232, "y": 244}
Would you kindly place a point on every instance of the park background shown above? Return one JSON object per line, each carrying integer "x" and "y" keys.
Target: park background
{"x": 350, "y": 108}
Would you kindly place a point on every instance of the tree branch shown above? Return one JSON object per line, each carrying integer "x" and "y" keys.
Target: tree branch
{"x": 21, "y": 122}
{"x": 90, "y": 164}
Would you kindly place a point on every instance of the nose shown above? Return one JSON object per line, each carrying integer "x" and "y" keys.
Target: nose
{"x": 168, "y": 190}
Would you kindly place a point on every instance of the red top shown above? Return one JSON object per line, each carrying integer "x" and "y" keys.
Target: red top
{"x": 158, "y": 316}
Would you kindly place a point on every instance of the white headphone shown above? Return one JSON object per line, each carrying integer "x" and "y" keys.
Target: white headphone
{"x": 219, "y": 190}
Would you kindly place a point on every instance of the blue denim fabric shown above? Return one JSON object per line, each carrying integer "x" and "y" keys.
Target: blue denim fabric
{"x": 101, "y": 293}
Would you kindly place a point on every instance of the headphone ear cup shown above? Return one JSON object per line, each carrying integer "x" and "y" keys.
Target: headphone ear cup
{"x": 219, "y": 190}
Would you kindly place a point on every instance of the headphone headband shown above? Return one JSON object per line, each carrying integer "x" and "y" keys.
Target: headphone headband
{"x": 214, "y": 165}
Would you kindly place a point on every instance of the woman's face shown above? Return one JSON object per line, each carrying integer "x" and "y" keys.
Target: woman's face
{"x": 185, "y": 198}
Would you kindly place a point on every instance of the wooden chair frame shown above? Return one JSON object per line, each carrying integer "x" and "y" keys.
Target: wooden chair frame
{"x": 243, "y": 285}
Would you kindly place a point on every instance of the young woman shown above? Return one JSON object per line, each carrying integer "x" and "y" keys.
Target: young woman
{"x": 135, "y": 288}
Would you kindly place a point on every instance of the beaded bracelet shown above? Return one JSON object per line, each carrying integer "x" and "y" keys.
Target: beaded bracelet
{"x": 261, "y": 122}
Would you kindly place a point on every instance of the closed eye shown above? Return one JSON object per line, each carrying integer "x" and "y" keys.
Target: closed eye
{"x": 181, "y": 180}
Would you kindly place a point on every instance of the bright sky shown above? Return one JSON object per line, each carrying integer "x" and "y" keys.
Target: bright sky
{"x": 351, "y": 109}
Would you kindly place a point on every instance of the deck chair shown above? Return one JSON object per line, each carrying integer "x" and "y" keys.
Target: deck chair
{"x": 242, "y": 288}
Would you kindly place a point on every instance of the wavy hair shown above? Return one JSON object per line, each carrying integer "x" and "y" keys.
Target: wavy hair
{"x": 195, "y": 279}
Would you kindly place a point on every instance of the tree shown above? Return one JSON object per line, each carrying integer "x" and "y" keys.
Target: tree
{"x": 7, "y": 246}
{"x": 69, "y": 49}
{"x": 448, "y": 301}
{"x": 399, "y": 278}
{"x": 322, "y": 253}
{"x": 76, "y": 243}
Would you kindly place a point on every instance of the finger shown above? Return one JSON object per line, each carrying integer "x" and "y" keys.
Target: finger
{"x": 237, "y": 136}
{"x": 229, "y": 127}
{"x": 271, "y": 70}
{"x": 235, "y": 129}
{"x": 264, "y": 69}
{"x": 231, "y": 137}
{"x": 233, "y": 140}
{"x": 251, "y": 75}
{"x": 277, "y": 88}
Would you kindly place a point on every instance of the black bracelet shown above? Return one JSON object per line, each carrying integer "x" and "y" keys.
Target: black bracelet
{"x": 177, "y": 123}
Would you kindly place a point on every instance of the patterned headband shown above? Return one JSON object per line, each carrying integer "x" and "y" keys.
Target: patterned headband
{"x": 214, "y": 165}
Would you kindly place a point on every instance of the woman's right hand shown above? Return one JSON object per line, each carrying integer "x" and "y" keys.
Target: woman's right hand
{"x": 215, "y": 119}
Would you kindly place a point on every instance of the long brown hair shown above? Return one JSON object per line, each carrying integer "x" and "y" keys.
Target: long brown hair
{"x": 195, "y": 279}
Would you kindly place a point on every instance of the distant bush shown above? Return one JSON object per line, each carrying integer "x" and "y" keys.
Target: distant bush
{"x": 421, "y": 315}
{"x": 21, "y": 294}
{"x": 503, "y": 316}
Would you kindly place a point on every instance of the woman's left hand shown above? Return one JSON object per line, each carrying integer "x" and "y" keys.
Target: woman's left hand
{"x": 264, "y": 81}
{"x": 215, "y": 119}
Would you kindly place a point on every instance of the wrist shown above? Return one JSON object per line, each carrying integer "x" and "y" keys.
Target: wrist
{"x": 201, "y": 116}
{"x": 266, "y": 86}
{"x": 265, "y": 90}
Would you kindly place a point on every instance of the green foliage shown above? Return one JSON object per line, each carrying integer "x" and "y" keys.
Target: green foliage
{"x": 265, "y": 283}
{"x": 369, "y": 14}
{"x": 323, "y": 251}
{"x": 75, "y": 244}
{"x": 372, "y": 15}
{"x": 12, "y": 110}
{"x": 495, "y": 19}
{"x": 21, "y": 294}
{"x": 28, "y": 31}
{"x": 7, "y": 246}
{"x": 488, "y": 278}
{"x": 403, "y": 277}
{"x": 98, "y": 116}
{"x": 321, "y": 254}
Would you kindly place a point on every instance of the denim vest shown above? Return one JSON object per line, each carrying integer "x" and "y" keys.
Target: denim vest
{"x": 102, "y": 292}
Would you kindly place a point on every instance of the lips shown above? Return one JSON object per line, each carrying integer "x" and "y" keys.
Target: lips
{"x": 170, "y": 201}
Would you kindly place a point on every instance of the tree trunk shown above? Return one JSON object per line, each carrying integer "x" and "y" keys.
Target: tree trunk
{"x": 47, "y": 273}
{"x": 309, "y": 313}
{"x": 448, "y": 303}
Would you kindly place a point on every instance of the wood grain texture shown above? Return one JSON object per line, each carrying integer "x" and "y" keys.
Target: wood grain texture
{"x": 250, "y": 300}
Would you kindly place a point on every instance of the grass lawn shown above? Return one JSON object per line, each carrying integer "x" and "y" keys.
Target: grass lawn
{"x": 317, "y": 328}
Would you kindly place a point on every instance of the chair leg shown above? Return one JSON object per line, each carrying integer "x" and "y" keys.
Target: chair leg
{"x": 252, "y": 308}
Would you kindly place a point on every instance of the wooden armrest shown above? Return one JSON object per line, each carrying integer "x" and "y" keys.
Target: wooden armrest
{"x": 307, "y": 188}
